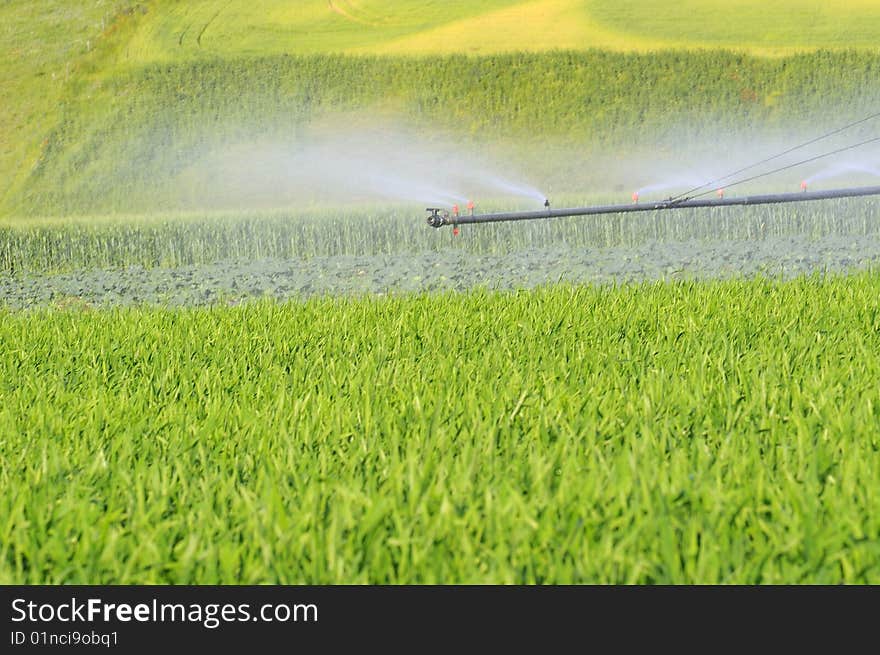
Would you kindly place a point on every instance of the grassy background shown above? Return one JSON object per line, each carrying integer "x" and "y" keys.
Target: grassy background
{"x": 659, "y": 433}
{"x": 115, "y": 105}
{"x": 692, "y": 432}
{"x": 145, "y": 139}
{"x": 210, "y": 28}
{"x": 42, "y": 44}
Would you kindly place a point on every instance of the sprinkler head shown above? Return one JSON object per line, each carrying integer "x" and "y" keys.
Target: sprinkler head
{"x": 435, "y": 219}
{"x": 547, "y": 203}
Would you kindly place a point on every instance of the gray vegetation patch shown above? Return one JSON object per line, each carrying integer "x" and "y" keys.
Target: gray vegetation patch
{"x": 232, "y": 282}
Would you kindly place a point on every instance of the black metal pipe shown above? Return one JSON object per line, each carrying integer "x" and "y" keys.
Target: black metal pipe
{"x": 436, "y": 219}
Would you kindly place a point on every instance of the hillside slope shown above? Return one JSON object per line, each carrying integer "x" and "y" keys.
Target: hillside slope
{"x": 209, "y": 28}
{"x": 119, "y": 105}
{"x": 43, "y": 44}
{"x": 276, "y": 131}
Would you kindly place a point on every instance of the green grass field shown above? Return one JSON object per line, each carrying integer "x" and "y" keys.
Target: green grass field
{"x": 659, "y": 433}
{"x": 213, "y": 28}
{"x": 227, "y": 134}
{"x": 684, "y": 429}
{"x": 144, "y": 90}
{"x": 42, "y": 46}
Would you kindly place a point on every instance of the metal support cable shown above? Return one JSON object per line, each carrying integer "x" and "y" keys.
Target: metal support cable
{"x": 714, "y": 182}
{"x": 785, "y": 168}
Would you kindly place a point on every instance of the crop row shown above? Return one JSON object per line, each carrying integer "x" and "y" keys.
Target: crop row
{"x": 181, "y": 240}
{"x": 234, "y": 282}
{"x": 127, "y": 141}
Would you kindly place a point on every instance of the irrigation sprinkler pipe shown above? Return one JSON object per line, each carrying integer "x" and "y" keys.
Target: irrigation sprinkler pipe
{"x": 439, "y": 217}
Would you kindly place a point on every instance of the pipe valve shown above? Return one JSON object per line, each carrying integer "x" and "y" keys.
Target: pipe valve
{"x": 435, "y": 218}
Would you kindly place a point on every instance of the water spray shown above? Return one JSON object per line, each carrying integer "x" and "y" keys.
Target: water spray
{"x": 438, "y": 218}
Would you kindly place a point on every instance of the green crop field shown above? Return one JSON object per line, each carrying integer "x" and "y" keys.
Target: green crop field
{"x": 175, "y": 239}
{"x": 232, "y": 351}
{"x": 129, "y": 106}
{"x": 655, "y": 433}
{"x": 210, "y": 28}
{"x": 204, "y": 135}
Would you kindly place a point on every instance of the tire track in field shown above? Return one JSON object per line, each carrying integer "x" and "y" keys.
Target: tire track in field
{"x": 211, "y": 20}
{"x": 183, "y": 34}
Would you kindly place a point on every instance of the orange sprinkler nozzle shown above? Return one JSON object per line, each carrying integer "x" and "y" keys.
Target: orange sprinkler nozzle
{"x": 804, "y": 185}
{"x": 635, "y": 196}
{"x": 455, "y": 210}
{"x": 455, "y": 231}
{"x": 470, "y": 207}
{"x": 720, "y": 193}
